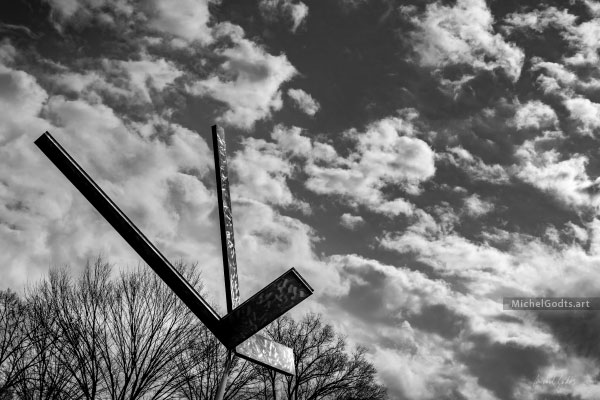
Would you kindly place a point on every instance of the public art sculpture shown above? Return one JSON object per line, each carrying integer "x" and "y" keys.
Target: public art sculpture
{"x": 237, "y": 330}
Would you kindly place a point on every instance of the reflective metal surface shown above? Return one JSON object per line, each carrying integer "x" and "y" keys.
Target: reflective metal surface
{"x": 267, "y": 353}
{"x": 264, "y": 307}
{"x": 232, "y": 290}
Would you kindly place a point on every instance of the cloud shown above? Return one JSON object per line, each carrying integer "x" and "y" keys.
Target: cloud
{"x": 45, "y": 221}
{"x": 476, "y": 207}
{"x": 555, "y": 76}
{"x": 248, "y": 81}
{"x": 385, "y": 154}
{"x": 423, "y": 332}
{"x": 507, "y": 264}
{"x": 566, "y": 180}
{"x": 131, "y": 82}
{"x": 150, "y": 73}
{"x": 290, "y": 140}
{"x": 293, "y": 12}
{"x": 394, "y": 207}
{"x": 474, "y": 166}
{"x": 535, "y": 115}
{"x": 351, "y": 221}
{"x": 463, "y": 34}
{"x": 7, "y": 52}
{"x": 21, "y": 100}
{"x": 268, "y": 243}
{"x": 304, "y": 101}
{"x": 584, "y": 38}
{"x": 540, "y": 20}
{"x": 491, "y": 272}
{"x": 585, "y": 113}
{"x": 188, "y": 20}
{"x": 80, "y": 12}
{"x": 262, "y": 172}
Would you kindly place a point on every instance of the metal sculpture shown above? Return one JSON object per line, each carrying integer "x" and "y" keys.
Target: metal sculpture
{"x": 237, "y": 329}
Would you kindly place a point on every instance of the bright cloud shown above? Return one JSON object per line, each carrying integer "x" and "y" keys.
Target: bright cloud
{"x": 585, "y": 112}
{"x": 386, "y": 153}
{"x": 46, "y": 222}
{"x": 248, "y": 82}
{"x": 539, "y": 20}
{"x": 262, "y": 172}
{"x": 476, "y": 207}
{"x": 474, "y": 166}
{"x": 351, "y": 221}
{"x": 304, "y": 101}
{"x": 463, "y": 34}
{"x": 188, "y": 20}
{"x": 148, "y": 73}
{"x": 536, "y": 115}
{"x": 294, "y": 12}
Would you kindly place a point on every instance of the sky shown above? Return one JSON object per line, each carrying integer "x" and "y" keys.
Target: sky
{"x": 415, "y": 161}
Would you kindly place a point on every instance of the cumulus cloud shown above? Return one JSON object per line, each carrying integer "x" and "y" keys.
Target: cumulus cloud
{"x": 491, "y": 272}
{"x": 536, "y": 115}
{"x": 565, "y": 180}
{"x": 82, "y": 11}
{"x": 268, "y": 243}
{"x": 585, "y": 113}
{"x": 386, "y": 153}
{"x": 150, "y": 73}
{"x": 248, "y": 81}
{"x": 476, "y": 207}
{"x": 540, "y": 20}
{"x": 293, "y": 12}
{"x": 426, "y": 330}
{"x": 7, "y": 52}
{"x": 351, "y": 221}
{"x": 304, "y": 101}
{"x": 291, "y": 140}
{"x": 45, "y": 221}
{"x": 474, "y": 166}
{"x": 394, "y": 207}
{"x": 188, "y": 20}
{"x": 506, "y": 264}
{"x": 136, "y": 81}
{"x": 463, "y": 33}
{"x": 584, "y": 37}
{"x": 262, "y": 172}
{"x": 555, "y": 76}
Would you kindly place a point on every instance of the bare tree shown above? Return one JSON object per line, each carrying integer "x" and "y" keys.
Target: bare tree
{"x": 14, "y": 342}
{"x": 202, "y": 366}
{"x": 111, "y": 338}
{"x": 324, "y": 369}
{"x": 147, "y": 332}
{"x": 122, "y": 336}
{"x": 46, "y": 378}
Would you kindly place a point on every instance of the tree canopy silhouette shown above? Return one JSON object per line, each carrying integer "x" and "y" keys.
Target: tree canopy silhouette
{"x": 107, "y": 335}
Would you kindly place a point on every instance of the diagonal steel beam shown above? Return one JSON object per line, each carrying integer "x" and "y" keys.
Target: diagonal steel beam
{"x": 264, "y": 307}
{"x": 132, "y": 235}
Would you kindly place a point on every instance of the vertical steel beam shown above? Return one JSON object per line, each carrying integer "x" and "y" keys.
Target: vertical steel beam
{"x": 232, "y": 290}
